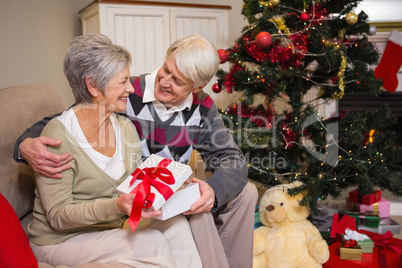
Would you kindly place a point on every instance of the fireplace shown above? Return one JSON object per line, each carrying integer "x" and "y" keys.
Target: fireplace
{"x": 361, "y": 103}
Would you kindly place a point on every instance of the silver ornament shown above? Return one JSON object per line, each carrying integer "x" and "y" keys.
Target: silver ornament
{"x": 372, "y": 30}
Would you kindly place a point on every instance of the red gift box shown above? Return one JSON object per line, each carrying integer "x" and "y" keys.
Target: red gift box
{"x": 338, "y": 227}
{"x": 386, "y": 253}
{"x": 369, "y": 199}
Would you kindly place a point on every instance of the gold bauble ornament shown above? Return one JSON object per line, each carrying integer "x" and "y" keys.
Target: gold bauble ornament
{"x": 263, "y": 3}
{"x": 351, "y": 18}
{"x": 274, "y": 2}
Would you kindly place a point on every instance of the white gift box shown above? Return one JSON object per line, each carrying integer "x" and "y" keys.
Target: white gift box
{"x": 180, "y": 172}
{"x": 180, "y": 201}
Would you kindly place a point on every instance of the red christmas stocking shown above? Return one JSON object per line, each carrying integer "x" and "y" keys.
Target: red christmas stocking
{"x": 391, "y": 62}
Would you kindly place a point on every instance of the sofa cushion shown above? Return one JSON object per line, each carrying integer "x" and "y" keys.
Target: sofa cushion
{"x": 14, "y": 245}
{"x": 21, "y": 106}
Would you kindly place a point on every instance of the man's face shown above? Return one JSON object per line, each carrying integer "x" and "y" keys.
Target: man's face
{"x": 171, "y": 86}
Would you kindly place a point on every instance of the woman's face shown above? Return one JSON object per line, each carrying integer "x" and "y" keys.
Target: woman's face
{"x": 171, "y": 86}
{"x": 117, "y": 91}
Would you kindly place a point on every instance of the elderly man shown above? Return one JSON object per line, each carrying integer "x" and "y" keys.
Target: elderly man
{"x": 173, "y": 117}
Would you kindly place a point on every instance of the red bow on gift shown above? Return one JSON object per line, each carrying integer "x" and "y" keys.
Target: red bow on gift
{"x": 351, "y": 243}
{"x": 144, "y": 198}
{"x": 383, "y": 242}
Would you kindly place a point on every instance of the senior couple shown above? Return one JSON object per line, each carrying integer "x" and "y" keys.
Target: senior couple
{"x": 83, "y": 154}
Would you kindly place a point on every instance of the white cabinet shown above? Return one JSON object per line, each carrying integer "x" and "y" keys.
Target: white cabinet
{"x": 147, "y": 29}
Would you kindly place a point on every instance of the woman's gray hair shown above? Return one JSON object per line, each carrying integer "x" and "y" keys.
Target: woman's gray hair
{"x": 196, "y": 57}
{"x": 93, "y": 56}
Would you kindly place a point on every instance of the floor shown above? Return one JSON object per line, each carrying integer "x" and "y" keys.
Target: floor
{"x": 340, "y": 204}
{"x": 398, "y": 219}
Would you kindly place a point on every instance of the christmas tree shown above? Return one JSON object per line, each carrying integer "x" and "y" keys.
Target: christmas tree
{"x": 292, "y": 50}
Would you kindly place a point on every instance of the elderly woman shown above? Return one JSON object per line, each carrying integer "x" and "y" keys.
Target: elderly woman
{"x": 79, "y": 218}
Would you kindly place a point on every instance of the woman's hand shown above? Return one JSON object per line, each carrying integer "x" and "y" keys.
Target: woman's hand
{"x": 125, "y": 202}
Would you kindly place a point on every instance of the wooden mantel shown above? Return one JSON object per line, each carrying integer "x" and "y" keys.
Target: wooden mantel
{"x": 149, "y": 3}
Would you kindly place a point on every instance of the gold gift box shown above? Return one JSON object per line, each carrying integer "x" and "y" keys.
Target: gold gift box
{"x": 353, "y": 254}
{"x": 366, "y": 245}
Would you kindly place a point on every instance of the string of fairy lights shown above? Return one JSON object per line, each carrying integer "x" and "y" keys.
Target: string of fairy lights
{"x": 292, "y": 42}
{"x": 285, "y": 34}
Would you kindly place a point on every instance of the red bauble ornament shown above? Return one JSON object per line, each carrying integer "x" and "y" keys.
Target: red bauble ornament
{"x": 263, "y": 40}
{"x": 216, "y": 88}
{"x": 304, "y": 17}
{"x": 223, "y": 55}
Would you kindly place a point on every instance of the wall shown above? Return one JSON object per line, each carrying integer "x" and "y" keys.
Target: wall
{"x": 35, "y": 35}
{"x": 384, "y": 10}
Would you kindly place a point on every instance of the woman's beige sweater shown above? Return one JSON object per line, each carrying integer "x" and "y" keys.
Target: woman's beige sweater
{"x": 84, "y": 200}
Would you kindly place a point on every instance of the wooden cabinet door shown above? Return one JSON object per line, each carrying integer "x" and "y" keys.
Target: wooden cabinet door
{"x": 211, "y": 24}
{"x": 148, "y": 30}
{"x": 143, "y": 31}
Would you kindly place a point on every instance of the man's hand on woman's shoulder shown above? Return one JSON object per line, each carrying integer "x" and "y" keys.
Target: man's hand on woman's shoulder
{"x": 35, "y": 152}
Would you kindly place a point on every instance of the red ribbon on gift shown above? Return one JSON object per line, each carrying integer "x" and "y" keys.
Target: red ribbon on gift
{"x": 383, "y": 242}
{"x": 143, "y": 196}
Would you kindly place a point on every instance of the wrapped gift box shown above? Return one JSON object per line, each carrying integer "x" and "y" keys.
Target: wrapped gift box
{"x": 383, "y": 207}
{"x": 369, "y": 199}
{"x": 371, "y": 220}
{"x": 363, "y": 241}
{"x": 386, "y": 224}
{"x": 257, "y": 220}
{"x": 180, "y": 201}
{"x": 339, "y": 226}
{"x": 354, "y": 254}
{"x": 366, "y": 245}
{"x": 180, "y": 172}
{"x": 368, "y": 260}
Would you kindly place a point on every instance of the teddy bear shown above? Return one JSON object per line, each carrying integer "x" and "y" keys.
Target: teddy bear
{"x": 287, "y": 238}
